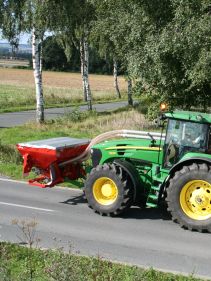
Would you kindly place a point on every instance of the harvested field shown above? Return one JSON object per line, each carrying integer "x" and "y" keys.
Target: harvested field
{"x": 22, "y": 77}
{"x": 17, "y": 89}
{"x": 13, "y": 63}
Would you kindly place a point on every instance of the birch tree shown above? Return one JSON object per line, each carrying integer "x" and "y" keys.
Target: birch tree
{"x": 130, "y": 91}
{"x": 116, "y": 84}
{"x": 29, "y": 16}
{"x": 84, "y": 51}
{"x": 37, "y": 24}
{"x": 73, "y": 27}
{"x": 101, "y": 35}
{"x": 37, "y": 69}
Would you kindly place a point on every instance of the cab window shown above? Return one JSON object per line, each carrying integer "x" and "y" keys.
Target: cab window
{"x": 182, "y": 137}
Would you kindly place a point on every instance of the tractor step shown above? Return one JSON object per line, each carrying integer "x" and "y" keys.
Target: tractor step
{"x": 152, "y": 205}
{"x": 156, "y": 188}
{"x": 152, "y": 200}
{"x": 152, "y": 196}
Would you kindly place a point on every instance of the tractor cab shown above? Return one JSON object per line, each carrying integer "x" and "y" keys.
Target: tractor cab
{"x": 186, "y": 132}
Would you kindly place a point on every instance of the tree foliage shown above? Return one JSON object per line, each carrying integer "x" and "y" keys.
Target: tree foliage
{"x": 174, "y": 62}
{"x": 164, "y": 46}
{"x": 53, "y": 55}
{"x": 11, "y": 20}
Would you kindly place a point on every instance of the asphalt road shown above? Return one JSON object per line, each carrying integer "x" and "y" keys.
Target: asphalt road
{"x": 18, "y": 118}
{"x": 142, "y": 237}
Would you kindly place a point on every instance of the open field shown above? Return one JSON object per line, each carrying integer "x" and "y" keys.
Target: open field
{"x": 13, "y": 63}
{"x": 17, "y": 90}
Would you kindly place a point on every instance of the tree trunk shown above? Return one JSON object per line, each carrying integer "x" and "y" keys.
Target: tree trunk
{"x": 40, "y": 58}
{"x": 37, "y": 67}
{"x": 86, "y": 72}
{"x": 129, "y": 92}
{"x": 116, "y": 86}
{"x": 82, "y": 67}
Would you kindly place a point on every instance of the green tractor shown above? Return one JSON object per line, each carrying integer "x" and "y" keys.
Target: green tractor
{"x": 147, "y": 169}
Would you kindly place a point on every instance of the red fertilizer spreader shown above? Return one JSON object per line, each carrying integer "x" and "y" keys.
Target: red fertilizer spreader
{"x": 54, "y": 159}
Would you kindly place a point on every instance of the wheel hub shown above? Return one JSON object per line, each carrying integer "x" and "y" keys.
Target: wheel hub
{"x": 199, "y": 200}
{"x": 105, "y": 191}
{"x": 195, "y": 199}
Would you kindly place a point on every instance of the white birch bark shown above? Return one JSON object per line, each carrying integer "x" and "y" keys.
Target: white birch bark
{"x": 86, "y": 72}
{"x": 40, "y": 58}
{"x": 82, "y": 67}
{"x": 130, "y": 98}
{"x": 37, "y": 67}
{"x": 115, "y": 73}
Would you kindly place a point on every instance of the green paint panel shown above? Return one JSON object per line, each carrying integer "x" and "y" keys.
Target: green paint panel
{"x": 195, "y": 155}
{"x": 138, "y": 149}
{"x": 198, "y": 117}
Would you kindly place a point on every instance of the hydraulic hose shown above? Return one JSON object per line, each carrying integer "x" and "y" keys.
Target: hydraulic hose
{"x": 109, "y": 135}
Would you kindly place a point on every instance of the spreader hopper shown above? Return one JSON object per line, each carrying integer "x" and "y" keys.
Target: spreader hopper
{"x": 51, "y": 159}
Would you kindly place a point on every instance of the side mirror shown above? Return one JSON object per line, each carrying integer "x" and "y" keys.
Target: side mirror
{"x": 159, "y": 122}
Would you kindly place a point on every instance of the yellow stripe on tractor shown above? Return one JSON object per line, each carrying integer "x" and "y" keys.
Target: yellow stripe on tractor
{"x": 134, "y": 147}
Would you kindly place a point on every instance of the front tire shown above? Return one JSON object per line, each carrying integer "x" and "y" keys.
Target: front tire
{"x": 189, "y": 197}
{"x": 108, "y": 190}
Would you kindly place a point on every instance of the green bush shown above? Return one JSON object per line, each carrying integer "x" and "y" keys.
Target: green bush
{"x": 76, "y": 115}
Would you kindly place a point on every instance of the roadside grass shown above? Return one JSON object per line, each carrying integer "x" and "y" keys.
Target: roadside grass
{"x": 17, "y": 91}
{"x": 74, "y": 124}
{"x": 25, "y": 263}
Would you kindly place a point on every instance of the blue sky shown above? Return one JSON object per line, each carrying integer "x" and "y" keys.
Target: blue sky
{"x": 23, "y": 39}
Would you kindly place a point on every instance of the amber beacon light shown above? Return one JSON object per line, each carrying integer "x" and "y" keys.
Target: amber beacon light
{"x": 163, "y": 106}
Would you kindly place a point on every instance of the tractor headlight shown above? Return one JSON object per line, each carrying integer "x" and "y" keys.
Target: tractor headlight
{"x": 199, "y": 118}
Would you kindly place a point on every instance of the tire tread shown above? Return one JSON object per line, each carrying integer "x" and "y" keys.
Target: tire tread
{"x": 173, "y": 183}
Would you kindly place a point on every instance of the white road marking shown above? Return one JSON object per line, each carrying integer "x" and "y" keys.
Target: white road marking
{"x": 27, "y": 207}
{"x": 79, "y": 190}
{"x": 16, "y": 181}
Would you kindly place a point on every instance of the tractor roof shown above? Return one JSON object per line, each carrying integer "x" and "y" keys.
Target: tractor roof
{"x": 198, "y": 117}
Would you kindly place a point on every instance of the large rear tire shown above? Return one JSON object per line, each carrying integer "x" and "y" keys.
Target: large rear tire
{"x": 108, "y": 190}
{"x": 189, "y": 197}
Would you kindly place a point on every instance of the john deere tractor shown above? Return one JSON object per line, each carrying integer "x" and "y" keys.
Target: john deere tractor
{"x": 147, "y": 168}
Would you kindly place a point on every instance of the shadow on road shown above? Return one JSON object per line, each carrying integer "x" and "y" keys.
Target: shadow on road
{"x": 133, "y": 213}
{"x": 75, "y": 200}
{"x": 148, "y": 213}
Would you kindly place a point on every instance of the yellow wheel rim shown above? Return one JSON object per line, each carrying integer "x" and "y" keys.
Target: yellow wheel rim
{"x": 105, "y": 191}
{"x": 195, "y": 199}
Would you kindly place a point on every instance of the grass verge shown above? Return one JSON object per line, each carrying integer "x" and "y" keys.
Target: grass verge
{"x": 21, "y": 263}
{"x": 74, "y": 124}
